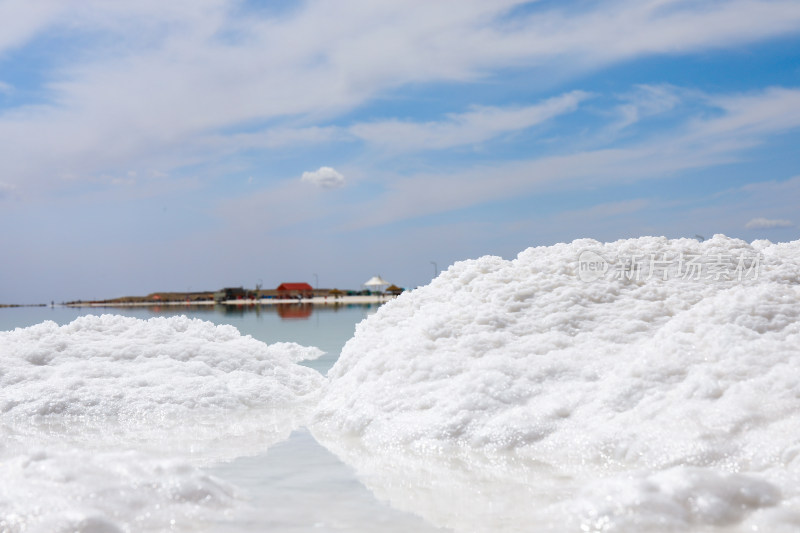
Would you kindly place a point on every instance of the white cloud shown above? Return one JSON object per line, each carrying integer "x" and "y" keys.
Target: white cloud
{"x": 770, "y": 192}
{"x": 325, "y": 177}
{"x": 622, "y": 29}
{"x": 766, "y": 223}
{"x": 276, "y": 137}
{"x": 472, "y": 127}
{"x": 216, "y": 66}
{"x": 773, "y": 110}
{"x": 646, "y": 101}
{"x": 699, "y": 144}
{"x": 21, "y": 20}
{"x": 606, "y": 210}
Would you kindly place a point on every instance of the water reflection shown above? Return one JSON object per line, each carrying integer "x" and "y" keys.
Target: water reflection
{"x": 299, "y": 486}
{"x": 286, "y": 311}
{"x": 462, "y": 492}
{"x": 294, "y": 311}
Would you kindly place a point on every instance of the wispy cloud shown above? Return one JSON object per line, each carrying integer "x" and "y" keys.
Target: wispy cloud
{"x": 768, "y": 223}
{"x": 277, "y": 137}
{"x": 622, "y": 29}
{"x": 176, "y": 75}
{"x": 20, "y": 21}
{"x": 646, "y": 101}
{"x": 475, "y": 126}
{"x": 773, "y": 110}
{"x": 700, "y": 143}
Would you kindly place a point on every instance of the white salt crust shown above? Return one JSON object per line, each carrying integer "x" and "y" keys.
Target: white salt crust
{"x": 106, "y": 421}
{"x": 662, "y": 404}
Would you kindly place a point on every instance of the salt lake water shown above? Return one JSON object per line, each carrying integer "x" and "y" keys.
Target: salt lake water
{"x": 293, "y": 485}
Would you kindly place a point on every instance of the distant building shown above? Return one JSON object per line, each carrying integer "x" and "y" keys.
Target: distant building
{"x": 232, "y": 293}
{"x": 394, "y": 290}
{"x": 376, "y": 284}
{"x": 336, "y": 293}
{"x": 295, "y": 290}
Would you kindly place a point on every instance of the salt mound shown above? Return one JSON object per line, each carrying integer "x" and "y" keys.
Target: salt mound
{"x": 72, "y": 397}
{"x": 131, "y": 368}
{"x": 159, "y": 383}
{"x": 601, "y": 361}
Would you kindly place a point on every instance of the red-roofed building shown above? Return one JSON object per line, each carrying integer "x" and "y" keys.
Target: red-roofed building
{"x": 293, "y": 290}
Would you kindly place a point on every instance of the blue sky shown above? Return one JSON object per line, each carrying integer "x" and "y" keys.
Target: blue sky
{"x": 190, "y": 145}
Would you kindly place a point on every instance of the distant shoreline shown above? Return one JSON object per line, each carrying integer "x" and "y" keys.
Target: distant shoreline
{"x": 316, "y": 300}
